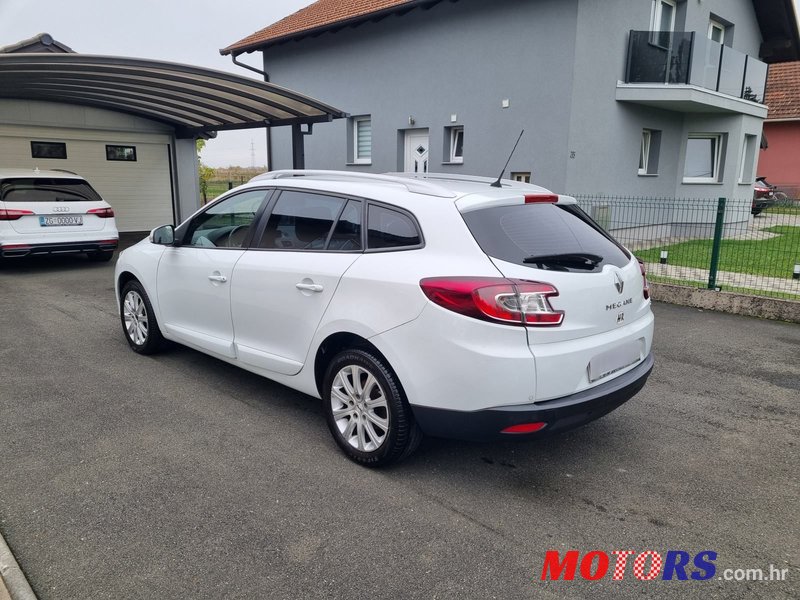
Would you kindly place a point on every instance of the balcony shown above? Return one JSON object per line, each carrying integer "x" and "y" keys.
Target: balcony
{"x": 686, "y": 72}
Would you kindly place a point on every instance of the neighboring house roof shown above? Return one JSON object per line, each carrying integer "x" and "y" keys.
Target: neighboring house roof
{"x": 777, "y": 20}
{"x": 322, "y": 16}
{"x": 42, "y": 42}
{"x": 783, "y": 91}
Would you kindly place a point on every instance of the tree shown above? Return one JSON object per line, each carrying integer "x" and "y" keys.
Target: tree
{"x": 205, "y": 172}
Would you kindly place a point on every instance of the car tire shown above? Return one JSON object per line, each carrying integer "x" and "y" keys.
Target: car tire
{"x": 755, "y": 211}
{"x": 100, "y": 256}
{"x": 366, "y": 410}
{"x": 138, "y": 320}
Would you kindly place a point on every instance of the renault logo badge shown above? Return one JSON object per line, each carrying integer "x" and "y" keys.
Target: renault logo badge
{"x": 618, "y": 283}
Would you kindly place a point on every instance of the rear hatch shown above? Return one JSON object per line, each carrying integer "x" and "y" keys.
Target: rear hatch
{"x": 49, "y": 204}
{"x": 600, "y": 289}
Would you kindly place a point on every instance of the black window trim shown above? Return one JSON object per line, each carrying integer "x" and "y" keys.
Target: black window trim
{"x": 265, "y": 212}
{"x": 395, "y": 208}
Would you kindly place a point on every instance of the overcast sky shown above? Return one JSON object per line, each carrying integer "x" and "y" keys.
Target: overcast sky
{"x": 187, "y": 31}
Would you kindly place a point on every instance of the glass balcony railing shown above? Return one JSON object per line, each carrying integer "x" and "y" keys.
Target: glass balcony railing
{"x": 682, "y": 57}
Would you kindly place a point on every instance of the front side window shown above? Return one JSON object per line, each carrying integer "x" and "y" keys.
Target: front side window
{"x": 227, "y": 223}
{"x": 302, "y": 221}
{"x": 703, "y": 156}
{"x": 387, "y": 228}
{"x": 362, "y": 140}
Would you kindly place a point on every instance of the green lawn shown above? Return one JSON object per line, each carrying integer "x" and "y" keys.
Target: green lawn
{"x": 774, "y": 257}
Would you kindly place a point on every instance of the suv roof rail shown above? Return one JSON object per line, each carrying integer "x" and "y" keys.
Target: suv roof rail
{"x": 415, "y": 186}
{"x": 455, "y": 177}
{"x": 64, "y": 171}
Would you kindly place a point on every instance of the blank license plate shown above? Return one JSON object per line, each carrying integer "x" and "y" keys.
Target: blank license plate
{"x": 614, "y": 360}
{"x": 59, "y": 220}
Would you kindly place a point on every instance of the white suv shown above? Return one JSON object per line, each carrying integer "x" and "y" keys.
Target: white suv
{"x": 410, "y": 304}
{"x": 53, "y": 212}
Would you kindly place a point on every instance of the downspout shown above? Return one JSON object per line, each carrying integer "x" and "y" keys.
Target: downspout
{"x": 265, "y": 75}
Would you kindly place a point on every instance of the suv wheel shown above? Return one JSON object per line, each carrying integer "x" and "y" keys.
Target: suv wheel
{"x": 138, "y": 320}
{"x": 366, "y": 411}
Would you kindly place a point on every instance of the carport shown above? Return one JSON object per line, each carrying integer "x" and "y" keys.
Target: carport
{"x": 193, "y": 102}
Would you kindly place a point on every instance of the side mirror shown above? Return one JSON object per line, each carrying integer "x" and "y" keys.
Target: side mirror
{"x": 164, "y": 235}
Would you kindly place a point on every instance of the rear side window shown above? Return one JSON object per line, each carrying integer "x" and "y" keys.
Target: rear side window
{"x": 301, "y": 221}
{"x": 47, "y": 189}
{"x": 545, "y": 236}
{"x": 387, "y": 228}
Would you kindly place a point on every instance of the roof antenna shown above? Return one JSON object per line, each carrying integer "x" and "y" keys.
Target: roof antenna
{"x": 503, "y": 172}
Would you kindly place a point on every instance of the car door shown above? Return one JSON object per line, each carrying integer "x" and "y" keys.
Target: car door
{"x": 194, "y": 279}
{"x": 282, "y": 286}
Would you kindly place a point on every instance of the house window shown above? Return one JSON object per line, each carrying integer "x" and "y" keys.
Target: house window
{"x": 663, "y": 21}
{"x": 48, "y": 150}
{"x": 649, "y": 151}
{"x": 521, "y": 176}
{"x": 456, "y": 145}
{"x": 716, "y": 31}
{"x": 703, "y": 158}
{"x": 747, "y": 171}
{"x": 362, "y": 140}
{"x": 114, "y": 152}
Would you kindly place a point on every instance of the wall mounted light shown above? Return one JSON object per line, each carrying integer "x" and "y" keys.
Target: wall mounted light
{"x": 411, "y": 120}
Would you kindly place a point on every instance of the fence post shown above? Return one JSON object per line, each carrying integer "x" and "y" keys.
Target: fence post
{"x": 230, "y": 184}
{"x": 712, "y": 274}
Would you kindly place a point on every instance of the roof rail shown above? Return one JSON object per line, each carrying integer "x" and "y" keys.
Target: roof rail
{"x": 64, "y": 171}
{"x": 412, "y": 185}
{"x": 455, "y": 177}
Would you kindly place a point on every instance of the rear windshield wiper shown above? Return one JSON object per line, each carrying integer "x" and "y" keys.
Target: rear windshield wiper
{"x": 574, "y": 260}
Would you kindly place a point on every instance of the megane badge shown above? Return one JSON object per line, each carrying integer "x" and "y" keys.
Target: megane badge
{"x": 618, "y": 283}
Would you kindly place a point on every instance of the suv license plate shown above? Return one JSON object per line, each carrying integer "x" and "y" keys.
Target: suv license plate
{"x": 59, "y": 220}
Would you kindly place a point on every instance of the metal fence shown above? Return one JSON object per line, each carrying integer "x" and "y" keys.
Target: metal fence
{"x": 715, "y": 243}
{"x": 217, "y": 187}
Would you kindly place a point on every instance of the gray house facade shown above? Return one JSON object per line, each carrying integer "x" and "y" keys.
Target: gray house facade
{"x": 652, "y": 98}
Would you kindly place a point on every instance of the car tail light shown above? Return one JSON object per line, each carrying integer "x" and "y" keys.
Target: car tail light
{"x": 103, "y": 213}
{"x": 536, "y": 198}
{"x": 525, "y": 428}
{"x": 762, "y": 190}
{"x": 646, "y": 288}
{"x": 12, "y": 214}
{"x": 509, "y": 301}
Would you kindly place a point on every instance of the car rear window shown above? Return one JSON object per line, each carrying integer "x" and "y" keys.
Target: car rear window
{"x": 558, "y": 237}
{"x": 47, "y": 189}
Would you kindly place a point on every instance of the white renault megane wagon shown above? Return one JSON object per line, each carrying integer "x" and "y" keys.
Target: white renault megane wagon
{"x": 411, "y": 304}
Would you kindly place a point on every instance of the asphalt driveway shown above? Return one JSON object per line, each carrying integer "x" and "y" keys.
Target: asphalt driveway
{"x": 179, "y": 476}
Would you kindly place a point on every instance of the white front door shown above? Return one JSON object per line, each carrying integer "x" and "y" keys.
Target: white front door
{"x": 417, "y": 143}
{"x": 194, "y": 279}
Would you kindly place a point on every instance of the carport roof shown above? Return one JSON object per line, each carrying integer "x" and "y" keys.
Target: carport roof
{"x": 194, "y": 100}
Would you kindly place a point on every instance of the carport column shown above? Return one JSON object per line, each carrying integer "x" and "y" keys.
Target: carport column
{"x": 298, "y": 149}
{"x": 186, "y": 178}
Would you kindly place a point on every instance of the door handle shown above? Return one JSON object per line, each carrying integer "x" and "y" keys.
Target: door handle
{"x": 218, "y": 278}
{"x": 309, "y": 287}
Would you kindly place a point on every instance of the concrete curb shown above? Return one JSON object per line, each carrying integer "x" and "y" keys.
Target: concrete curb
{"x": 729, "y": 302}
{"x": 12, "y": 576}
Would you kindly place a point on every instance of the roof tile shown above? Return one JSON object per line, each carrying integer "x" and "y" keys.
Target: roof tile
{"x": 783, "y": 91}
{"x": 322, "y": 13}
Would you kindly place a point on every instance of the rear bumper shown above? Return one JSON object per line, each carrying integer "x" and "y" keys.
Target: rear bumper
{"x": 560, "y": 414}
{"x": 14, "y": 249}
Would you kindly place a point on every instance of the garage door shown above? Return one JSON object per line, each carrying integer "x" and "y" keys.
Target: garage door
{"x": 140, "y": 190}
